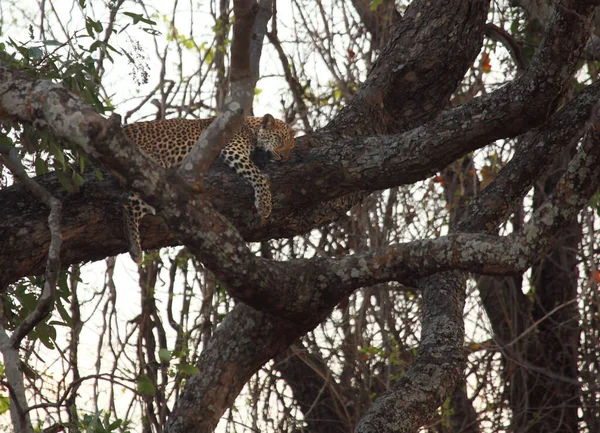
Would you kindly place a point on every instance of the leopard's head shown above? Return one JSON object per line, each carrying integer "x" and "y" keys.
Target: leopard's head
{"x": 275, "y": 137}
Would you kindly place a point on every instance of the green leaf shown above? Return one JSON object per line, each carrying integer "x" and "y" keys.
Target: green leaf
{"x": 164, "y": 355}
{"x": 93, "y": 26}
{"x": 78, "y": 179}
{"x": 188, "y": 369}
{"x": 4, "y": 404}
{"x": 35, "y": 53}
{"x": 151, "y": 32}
{"x": 40, "y": 166}
{"x": 64, "y": 180}
{"x": 57, "y": 152}
{"x": 63, "y": 313}
{"x": 5, "y": 140}
{"x": 138, "y": 17}
{"x": 145, "y": 385}
{"x": 46, "y": 334}
{"x": 115, "y": 425}
{"x": 57, "y": 323}
{"x": 29, "y": 372}
{"x": 28, "y": 301}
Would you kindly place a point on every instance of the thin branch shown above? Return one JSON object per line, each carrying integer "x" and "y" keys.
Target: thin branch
{"x": 75, "y": 385}
{"x": 46, "y": 300}
{"x": 498, "y": 34}
{"x": 9, "y": 346}
{"x": 210, "y": 143}
{"x": 258, "y": 34}
{"x": 11, "y": 160}
{"x": 14, "y": 382}
{"x": 239, "y": 103}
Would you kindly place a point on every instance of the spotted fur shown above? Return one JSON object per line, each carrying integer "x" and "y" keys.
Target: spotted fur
{"x": 169, "y": 141}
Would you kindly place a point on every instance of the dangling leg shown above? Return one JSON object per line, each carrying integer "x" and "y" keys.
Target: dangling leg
{"x": 245, "y": 168}
{"x": 133, "y": 212}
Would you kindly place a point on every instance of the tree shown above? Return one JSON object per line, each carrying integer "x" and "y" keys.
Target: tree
{"x": 414, "y": 115}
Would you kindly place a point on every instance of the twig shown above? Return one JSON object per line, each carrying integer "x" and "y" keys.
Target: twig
{"x": 75, "y": 384}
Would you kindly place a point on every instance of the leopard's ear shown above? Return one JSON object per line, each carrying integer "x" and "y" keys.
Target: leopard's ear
{"x": 268, "y": 122}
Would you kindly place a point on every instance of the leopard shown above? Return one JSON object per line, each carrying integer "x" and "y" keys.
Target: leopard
{"x": 169, "y": 141}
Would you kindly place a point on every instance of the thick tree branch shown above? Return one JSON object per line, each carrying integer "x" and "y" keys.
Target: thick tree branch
{"x": 390, "y": 162}
{"x": 252, "y": 279}
{"x": 226, "y": 365}
{"x": 483, "y": 121}
{"x": 403, "y": 89}
{"x": 208, "y": 146}
{"x": 438, "y": 365}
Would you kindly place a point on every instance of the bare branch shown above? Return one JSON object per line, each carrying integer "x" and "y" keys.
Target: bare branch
{"x": 14, "y": 377}
{"x": 9, "y": 346}
{"x": 46, "y": 300}
{"x": 498, "y": 34}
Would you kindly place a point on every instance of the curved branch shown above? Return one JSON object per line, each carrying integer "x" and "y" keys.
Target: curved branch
{"x": 498, "y": 34}
{"x": 9, "y": 346}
